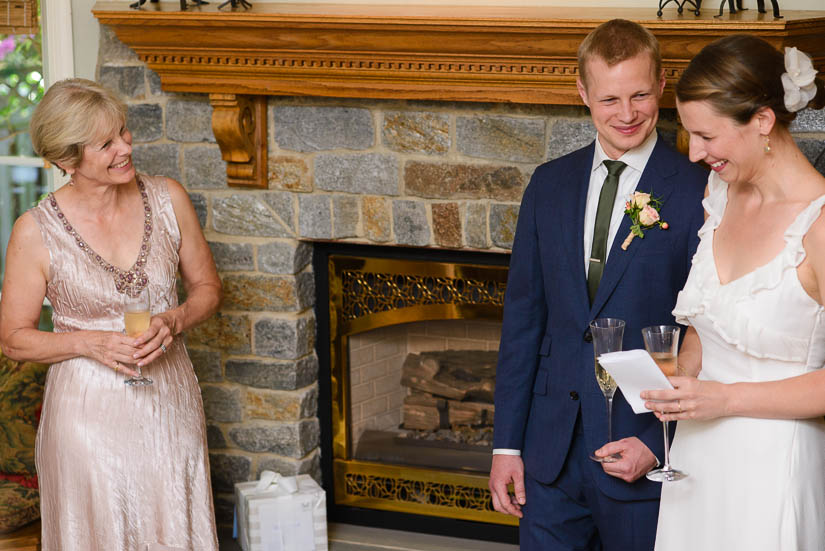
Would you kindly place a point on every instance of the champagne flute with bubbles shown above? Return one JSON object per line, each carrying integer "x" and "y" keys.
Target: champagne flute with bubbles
{"x": 136, "y": 316}
{"x": 607, "y": 337}
{"x": 662, "y": 343}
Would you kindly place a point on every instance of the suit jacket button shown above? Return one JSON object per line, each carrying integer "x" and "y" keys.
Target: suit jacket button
{"x": 574, "y": 395}
{"x": 588, "y": 336}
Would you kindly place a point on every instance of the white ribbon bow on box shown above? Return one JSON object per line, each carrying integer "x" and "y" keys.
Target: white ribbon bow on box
{"x": 288, "y": 484}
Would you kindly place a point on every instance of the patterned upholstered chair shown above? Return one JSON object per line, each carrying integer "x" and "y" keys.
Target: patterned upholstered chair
{"x": 21, "y": 396}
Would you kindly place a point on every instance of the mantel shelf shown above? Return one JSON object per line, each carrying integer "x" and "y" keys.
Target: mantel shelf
{"x": 441, "y": 53}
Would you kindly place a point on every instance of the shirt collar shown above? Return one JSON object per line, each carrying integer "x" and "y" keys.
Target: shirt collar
{"x": 635, "y": 158}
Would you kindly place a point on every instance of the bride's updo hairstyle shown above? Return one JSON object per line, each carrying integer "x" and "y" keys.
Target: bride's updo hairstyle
{"x": 739, "y": 75}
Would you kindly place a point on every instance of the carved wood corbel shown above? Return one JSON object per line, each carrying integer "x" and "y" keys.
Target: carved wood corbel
{"x": 239, "y": 125}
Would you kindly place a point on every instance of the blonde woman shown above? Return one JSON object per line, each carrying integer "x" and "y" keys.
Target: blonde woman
{"x": 120, "y": 467}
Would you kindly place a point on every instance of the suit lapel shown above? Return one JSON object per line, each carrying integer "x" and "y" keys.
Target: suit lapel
{"x": 657, "y": 180}
{"x": 573, "y": 199}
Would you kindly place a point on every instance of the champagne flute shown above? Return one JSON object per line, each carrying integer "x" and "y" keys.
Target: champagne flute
{"x": 136, "y": 316}
{"x": 607, "y": 337}
{"x": 662, "y": 343}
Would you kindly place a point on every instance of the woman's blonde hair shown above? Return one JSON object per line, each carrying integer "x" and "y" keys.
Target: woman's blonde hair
{"x": 72, "y": 114}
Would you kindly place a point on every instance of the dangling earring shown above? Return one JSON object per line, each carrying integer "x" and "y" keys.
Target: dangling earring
{"x": 767, "y": 144}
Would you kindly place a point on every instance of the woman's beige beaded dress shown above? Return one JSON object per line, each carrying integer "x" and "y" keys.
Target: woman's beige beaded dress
{"x": 120, "y": 467}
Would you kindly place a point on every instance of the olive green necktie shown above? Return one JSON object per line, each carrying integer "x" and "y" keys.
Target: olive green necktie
{"x": 600, "y": 230}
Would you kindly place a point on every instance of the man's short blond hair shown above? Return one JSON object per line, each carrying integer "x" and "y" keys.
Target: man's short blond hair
{"x": 615, "y": 41}
{"x": 72, "y": 114}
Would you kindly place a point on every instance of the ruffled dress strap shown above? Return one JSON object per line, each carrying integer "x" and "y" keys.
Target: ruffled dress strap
{"x": 692, "y": 297}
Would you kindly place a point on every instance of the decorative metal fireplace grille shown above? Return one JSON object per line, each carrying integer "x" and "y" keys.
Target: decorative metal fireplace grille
{"x": 367, "y": 293}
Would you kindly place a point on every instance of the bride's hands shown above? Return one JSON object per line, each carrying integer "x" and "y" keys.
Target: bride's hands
{"x": 690, "y": 399}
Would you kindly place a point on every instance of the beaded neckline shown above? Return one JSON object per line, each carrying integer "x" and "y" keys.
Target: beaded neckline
{"x": 129, "y": 282}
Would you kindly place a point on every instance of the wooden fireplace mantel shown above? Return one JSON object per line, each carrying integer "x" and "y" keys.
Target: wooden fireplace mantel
{"x": 442, "y": 53}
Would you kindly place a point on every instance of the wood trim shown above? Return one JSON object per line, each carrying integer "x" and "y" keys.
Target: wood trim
{"x": 442, "y": 53}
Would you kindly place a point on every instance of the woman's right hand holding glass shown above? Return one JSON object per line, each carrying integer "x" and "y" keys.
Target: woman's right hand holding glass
{"x": 112, "y": 349}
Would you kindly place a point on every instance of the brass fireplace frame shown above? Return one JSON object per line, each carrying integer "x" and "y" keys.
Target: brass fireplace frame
{"x": 368, "y": 293}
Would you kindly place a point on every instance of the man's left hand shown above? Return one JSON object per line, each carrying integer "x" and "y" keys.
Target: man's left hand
{"x": 636, "y": 461}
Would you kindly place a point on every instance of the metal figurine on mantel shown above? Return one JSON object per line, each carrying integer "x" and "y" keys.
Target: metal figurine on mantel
{"x": 760, "y": 6}
{"x": 733, "y": 6}
{"x": 183, "y": 3}
{"x": 235, "y": 3}
{"x": 680, "y": 6}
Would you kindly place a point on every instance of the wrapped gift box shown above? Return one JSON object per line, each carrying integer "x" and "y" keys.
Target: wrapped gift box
{"x": 280, "y": 513}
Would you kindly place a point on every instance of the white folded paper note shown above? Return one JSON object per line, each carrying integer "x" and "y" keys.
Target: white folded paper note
{"x": 634, "y": 371}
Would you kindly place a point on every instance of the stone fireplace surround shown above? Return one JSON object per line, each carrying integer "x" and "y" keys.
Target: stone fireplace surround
{"x": 440, "y": 174}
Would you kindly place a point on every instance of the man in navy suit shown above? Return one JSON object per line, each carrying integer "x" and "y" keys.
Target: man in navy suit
{"x": 550, "y": 414}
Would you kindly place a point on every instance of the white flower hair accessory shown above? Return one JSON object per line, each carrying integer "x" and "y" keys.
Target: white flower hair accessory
{"x": 798, "y": 80}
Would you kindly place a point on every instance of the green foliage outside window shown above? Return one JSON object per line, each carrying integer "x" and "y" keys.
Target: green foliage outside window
{"x": 21, "y": 87}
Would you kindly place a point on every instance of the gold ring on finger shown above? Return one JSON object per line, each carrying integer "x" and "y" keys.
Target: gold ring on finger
{"x": 680, "y": 406}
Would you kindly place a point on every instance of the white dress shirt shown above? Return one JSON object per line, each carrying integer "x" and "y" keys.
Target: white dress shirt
{"x": 636, "y": 160}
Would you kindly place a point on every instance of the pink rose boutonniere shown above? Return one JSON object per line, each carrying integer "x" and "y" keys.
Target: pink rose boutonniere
{"x": 643, "y": 210}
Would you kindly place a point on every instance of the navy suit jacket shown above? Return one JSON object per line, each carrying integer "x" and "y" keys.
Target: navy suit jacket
{"x": 545, "y": 371}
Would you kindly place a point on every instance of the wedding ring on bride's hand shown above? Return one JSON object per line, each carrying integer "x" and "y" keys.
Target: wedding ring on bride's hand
{"x": 680, "y": 405}
{"x": 117, "y": 367}
{"x": 162, "y": 348}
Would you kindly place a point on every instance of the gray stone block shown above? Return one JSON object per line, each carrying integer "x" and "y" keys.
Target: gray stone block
{"x": 503, "y": 219}
{"x": 311, "y": 128}
{"x": 809, "y": 120}
{"x": 283, "y": 204}
{"x": 221, "y": 404}
{"x": 284, "y": 257}
{"x": 285, "y": 339}
{"x": 416, "y": 132}
{"x": 201, "y": 209}
{"x": 229, "y": 469}
{"x": 568, "y": 136}
{"x": 112, "y": 50}
{"x": 189, "y": 119}
{"x": 154, "y": 82}
{"x": 410, "y": 223}
{"x": 290, "y": 439}
{"x": 367, "y": 173}
{"x": 162, "y": 158}
{"x": 475, "y": 227}
{"x": 814, "y": 150}
{"x": 314, "y": 216}
{"x": 224, "y": 511}
{"x": 305, "y": 289}
{"x": 233, "y": 257}
{"x": 207, "y": 364}
{"x": 145, "y": 121}
{"x": 203, "y": 167}
{"x": 246, "y": 214}
{"x": 127, "y": 81}
{"x": 345, "y": 210}
{"x": 310, "y": 464}
{"x": 506, "y": 138}
{"x": 214, "y": 437}
{"x": 273, "y": 374}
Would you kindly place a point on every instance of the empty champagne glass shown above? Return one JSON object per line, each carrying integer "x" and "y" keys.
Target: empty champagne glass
{"x": 662, "y": 343}
{"x": 136, "y": 316}
{"x": 607, "y": 337}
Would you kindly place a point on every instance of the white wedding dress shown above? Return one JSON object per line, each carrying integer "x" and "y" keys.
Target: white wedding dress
{"x": 753, "y": 484}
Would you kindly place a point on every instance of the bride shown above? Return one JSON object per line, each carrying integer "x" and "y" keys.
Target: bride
{"x": 751, "y": 432}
